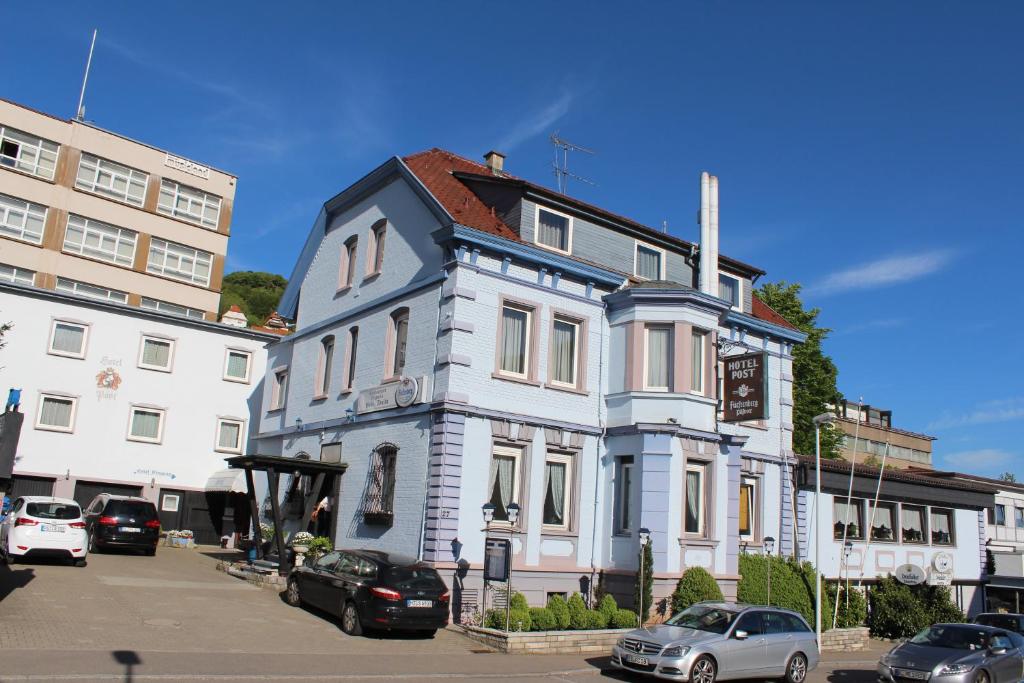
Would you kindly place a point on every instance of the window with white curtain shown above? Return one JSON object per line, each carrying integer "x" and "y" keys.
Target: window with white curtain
{"x": 279, "y": 389}
{"x": 623, "y": 498}
{"x": 882, "y": 521}
{"x": 657, "y": 357}
{"x": 503, "y": 483}
{"x": 649, "y": 262}
{"x": 22, "y": 220}
{"x": 565, "y": 342}
{"x": 111, "y": 179}
{"x": 695, "y": 507}
{"x": 146, "y": 424}
{"x": 179, "y": 262}
{"x": 28, "y": 153}
{"x": 56, "y": 413}
{"x": 942, "y": 526}
{"x": 90, "y": 291}
{"x": 514, "y": 344}
{"x": 236, "y": 365}
{"x": 399, "y": 341}
{"x": 68, "y": 338}
{"x": 697, "y": 361}
{"x": 173, "y": 309}
{"x": 229, "y": 435}
{"x": 849, "y": 519}
{"x": 557, "y": 490}
{"x": 912, "y": 524}
{"x": 729, "y": 288}
{"x": 18, "y": 276}
{"x": 326, "y": 365}
{"x": 100, "y": 241}
{"x": 748, "y": 507}
{"x": 156, "y": 353}
{"x": 189, "y": 203}
{"x": 553, "y": 230}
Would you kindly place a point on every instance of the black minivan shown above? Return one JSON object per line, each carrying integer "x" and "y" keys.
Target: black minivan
{"x": 122, "y": 522}
{"x": 371, "y": 590}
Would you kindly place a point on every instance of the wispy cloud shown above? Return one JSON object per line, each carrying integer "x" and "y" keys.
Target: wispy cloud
{"x": 1004, "y": 410}
{"x": 538, "y": 122}
{"x": 883, "y": 272}
{"x": 870, "y": 326}
{"x": 981, "y": 459}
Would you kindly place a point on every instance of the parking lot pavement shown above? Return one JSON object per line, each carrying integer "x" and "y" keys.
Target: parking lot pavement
{"x": 174, "y": 617}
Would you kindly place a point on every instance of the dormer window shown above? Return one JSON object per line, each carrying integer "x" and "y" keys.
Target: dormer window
{"x": 554, "y": 230}
{"x": 730, "y": 288}
{"x": 649, "y": 262}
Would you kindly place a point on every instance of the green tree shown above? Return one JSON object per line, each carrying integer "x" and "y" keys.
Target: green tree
{"x": 646, "y": 589}
{"x": 814, "y": 373}
{"x": 4, "y": 329}
{"x": 1008, "y": 477}
{"x": 256, "y": 293}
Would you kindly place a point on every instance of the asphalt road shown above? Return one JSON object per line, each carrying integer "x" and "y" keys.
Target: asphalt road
{"x": 174, "y": 618}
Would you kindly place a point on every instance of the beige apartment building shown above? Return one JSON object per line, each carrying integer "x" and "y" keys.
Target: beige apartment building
{"x": 868, "y": 433}
{"x": 89, "y": 212}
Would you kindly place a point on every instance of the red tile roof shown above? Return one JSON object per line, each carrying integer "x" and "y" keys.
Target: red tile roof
{"x": 765, "y": 312}
{"x": 234, "y": 308}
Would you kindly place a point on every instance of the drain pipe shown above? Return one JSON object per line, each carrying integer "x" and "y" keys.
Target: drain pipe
{"x": 597, "y": 451}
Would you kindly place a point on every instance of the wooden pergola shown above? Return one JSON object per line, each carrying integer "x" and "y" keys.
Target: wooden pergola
{"x": 274, "y": 465}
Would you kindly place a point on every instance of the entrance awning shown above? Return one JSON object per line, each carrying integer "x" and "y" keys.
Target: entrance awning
{"x": 226, "y": 481}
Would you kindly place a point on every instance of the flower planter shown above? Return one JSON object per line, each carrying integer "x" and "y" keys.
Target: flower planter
{"x": 546, "y": 642}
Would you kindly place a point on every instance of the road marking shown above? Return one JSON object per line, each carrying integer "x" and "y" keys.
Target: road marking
{"x": 139, "y": 582}
{"x": 299, "y": 677}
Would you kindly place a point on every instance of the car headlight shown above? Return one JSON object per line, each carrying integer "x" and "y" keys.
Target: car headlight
{"x": 675, "y": 651}
{"x": 956, "y": 669}
{"x": 620, "y": 642}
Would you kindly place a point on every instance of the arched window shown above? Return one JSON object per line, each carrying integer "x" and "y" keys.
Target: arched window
{"x": 350, "y": 359}
{"x": 347, "y": 270}
{"x": 378, "y": 507}
{"x": 398, "y": 337}
{"x": 323, "y": 376}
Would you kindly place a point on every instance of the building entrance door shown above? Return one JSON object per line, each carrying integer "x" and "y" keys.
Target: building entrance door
{"x": 170, "y": 509}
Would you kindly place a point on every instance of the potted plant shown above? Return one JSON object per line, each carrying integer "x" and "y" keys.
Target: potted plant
{"x": 319, "y": 546}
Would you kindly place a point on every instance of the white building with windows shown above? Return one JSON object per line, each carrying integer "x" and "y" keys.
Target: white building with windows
{"x": 125, "y": 400}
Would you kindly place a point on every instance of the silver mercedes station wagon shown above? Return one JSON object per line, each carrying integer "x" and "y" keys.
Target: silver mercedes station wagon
{"x": 713, "y": 641}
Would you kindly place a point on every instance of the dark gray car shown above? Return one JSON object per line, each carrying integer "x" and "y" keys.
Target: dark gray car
{"x": 956, "y": 653}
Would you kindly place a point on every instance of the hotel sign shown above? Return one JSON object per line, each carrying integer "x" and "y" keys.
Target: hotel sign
{"x": 910, "y": 574}
{"x": 400, "y": 394}
{"x": 186, "y": 166}
{"x": 744, "y": 382}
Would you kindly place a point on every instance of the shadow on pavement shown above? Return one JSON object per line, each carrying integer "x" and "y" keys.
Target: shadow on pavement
{"x": 224, "y": 554}
{"x": 384, "y": 634}
{"x": 604, "y": 665}
{"x": 129, "y": 659}
{"x": 13, "y": 579}
{"x": 853, "y": 676}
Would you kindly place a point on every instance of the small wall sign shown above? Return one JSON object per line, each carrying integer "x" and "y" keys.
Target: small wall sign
{"x": 744, "y": 381}
{"x": 497, "y": 559}
{"x": 407, "y": 391}
{"x": 186, "y": 166}
{"x": 400, "y": 394}
{"x": 909, "y": 574}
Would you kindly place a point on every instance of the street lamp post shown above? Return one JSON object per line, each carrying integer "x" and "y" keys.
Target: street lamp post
{"x": 488, "y": 511}
{"x": 847, "y": 549}
{"x": 769, "y": 546}
{"x": 818, "y": 420}
{"x": 645, "y": 538}
{"x": 513, "y": 517}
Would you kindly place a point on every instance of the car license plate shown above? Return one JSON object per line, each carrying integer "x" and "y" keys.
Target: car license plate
{"x": 129, "y": 529}
{"x": 640, "y": 661}
{"x": 52, "y": 528}
{"x": 911, "y": 673}
{"x": 419, "y": 603}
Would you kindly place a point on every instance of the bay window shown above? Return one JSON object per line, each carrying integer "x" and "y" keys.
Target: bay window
{"x": 695, "y": 509}
{"x": 657, "y": 357}
{"x": 697, "y": 361}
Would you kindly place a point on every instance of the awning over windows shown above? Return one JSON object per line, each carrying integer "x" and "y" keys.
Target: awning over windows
{"x": 226, "y": 481}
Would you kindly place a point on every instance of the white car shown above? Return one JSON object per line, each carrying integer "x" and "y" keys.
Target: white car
{"x": 43, "y": 526}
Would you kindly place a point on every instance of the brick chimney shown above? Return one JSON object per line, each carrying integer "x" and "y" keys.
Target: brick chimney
{"x": 495, "y": 161}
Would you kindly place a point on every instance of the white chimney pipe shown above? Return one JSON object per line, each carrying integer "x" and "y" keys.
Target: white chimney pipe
{"x": 705, "y": 232}
{"x": 713, "y": 251}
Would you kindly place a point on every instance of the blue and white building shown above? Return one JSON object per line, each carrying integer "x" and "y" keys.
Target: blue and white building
{"x": 463, "y": 336}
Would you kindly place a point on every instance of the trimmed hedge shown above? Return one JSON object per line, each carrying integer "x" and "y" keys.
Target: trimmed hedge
{"x": 542, "y": 619}
{"x": 623, "y": 618}
{"x": 792, "y": 585}
{"x": 596, "y": 619}
{"x": 608, "y": 607}
{"x": 577, "y": 612}
{"x": 847, "y": 616}
{"x": 695, "y": 585}
{"x": 900, "y": 611}
{"x": 518, "y": 619}
{"x": 560, "y": 610}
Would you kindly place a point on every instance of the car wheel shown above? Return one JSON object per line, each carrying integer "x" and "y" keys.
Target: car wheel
{"x": 982, "y": 677}
{"x": 79, "y": 563}
{"x": 150, "y": 552}
{"x": 93, "y": 547}
{"x": 292, "y": 595}
{"x": 703, "y": 670}
{"x": 796, "y": 670}
{"x": 350, "y": 623}
{"x": 429, "y": 633}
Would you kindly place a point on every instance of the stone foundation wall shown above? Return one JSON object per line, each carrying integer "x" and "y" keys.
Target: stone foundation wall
{"x": 845, "y": 639}
{"x": 545, "y": 642}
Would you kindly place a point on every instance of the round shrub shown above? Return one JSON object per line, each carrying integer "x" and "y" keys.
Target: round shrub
{"x": 596, "y": 619}
{"x": 577, "y": 612}
{"x": 519, "y": 601}
{"x": 542, "y": 619}
{"x": 624, "y": 618}
{"x": 900, "y": 611}
{"x": 695, "y": 585}
{"x": 559, "y": 608}
{"x": 792, "y": 585}
{"x": 608, "y": 607}
{"x": 518, "y": 619}
{"x": 853, "y": 608}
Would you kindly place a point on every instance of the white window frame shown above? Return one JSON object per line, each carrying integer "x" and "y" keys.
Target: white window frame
{"x": 104, "y": 232}
{"x": 671, "y": 356}
{"x": 134, "y": 408}
{"x": 88, "y": 291}
{"x": 536, "y": 229}
{"x": 43, "y": 395}
{"x": 159, "y": 340}
{"x": 739, "y": 289}
{"x": 41, "y": 147}
{"x": 567, "y": 510}
{"x": 702, "y": 495}
{"x": 578, "y": 327}
{"x": 698, "y": 371}
{"x": 97, "y": 167}
{"x": 14, "y": 230}
{"x": 169, "y": 496}
{"x": 755, "y": 484}
{"x": 171, "y": 191}
{"x": 72, "y": 323}
{"x": 527, "y": 343}
{"x": 325, "y": 366}
{"x": 636, "y": 259}
{"x": 162, "y": 251}
{"x": 171, "y": 309}
{"x": 623, "y": 495}
{"x": 17, "y": 276}
{"x": 279, "y": 388}
{"x": 248, "y": 365}
{"x": 516, "y": 454}
{"x": 221, "y": 421}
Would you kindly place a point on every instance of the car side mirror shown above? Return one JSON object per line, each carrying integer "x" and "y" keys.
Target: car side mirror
{"x": 995, "y": 651}
{"x": 740, "y": 635}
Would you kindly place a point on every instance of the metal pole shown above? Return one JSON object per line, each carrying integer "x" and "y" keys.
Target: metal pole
{"x": 508, "y": 593}
{"x": 640, "y": 591}
{"x": 483, "y": 575}
{"x": 769, "y": 579}
{"x": 80, "y": 112}
{"x": 817, "y": 534}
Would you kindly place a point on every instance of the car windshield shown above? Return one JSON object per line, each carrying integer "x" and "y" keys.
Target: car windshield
{"x": 712, "y": 619}
{"x": 54, "y": 510}
{"x": 131, "y": 508}
{"x": 953, "y": 637}
{"x": 414, "y": 577}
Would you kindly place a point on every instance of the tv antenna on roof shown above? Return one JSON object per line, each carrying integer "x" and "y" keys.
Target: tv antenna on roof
{"x": 561, "y": 163}
{"x": 80, "y": 112}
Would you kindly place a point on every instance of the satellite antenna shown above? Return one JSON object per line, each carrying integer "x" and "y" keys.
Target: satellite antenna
{"x": 80, "y": 112}
{"x": 561, "y": 163}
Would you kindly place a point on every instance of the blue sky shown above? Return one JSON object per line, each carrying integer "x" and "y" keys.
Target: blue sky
{"x": 873, "y": 152}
